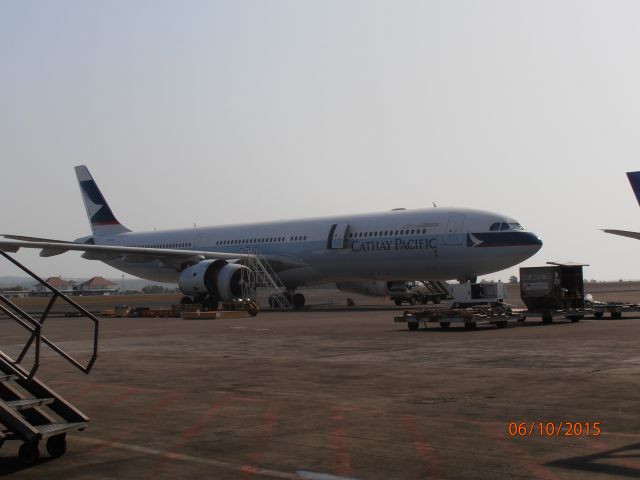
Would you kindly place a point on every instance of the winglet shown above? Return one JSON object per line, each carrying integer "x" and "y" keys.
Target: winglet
{"x": 634, "y": 180}
{"x": 101, "y": 218}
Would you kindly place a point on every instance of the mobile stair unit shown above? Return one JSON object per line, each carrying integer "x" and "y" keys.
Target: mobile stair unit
{"x": 262, "y": 275}
{"x": 30, "y": 411}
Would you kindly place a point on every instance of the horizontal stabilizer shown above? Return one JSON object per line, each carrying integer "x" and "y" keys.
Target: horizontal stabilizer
{"x": 624, "y": 233}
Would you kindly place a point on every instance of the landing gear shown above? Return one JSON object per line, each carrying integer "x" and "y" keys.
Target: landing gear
{"x": 186, "y": 301}
{"x": 208, "y": 302}
{"x": 298, "y": 300}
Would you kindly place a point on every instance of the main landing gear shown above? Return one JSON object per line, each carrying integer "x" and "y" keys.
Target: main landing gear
{"x": 295, "y": 299}
{"x": 208, "y": 302}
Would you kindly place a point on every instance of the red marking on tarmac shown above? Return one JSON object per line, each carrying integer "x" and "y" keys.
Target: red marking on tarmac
{"x": 124, "y": 396}
{"x": 341, "y": 461}
{"x": 430, "y": 458}
{"x": 530, "y": 463}
{"x": 190, "y": 433}
{"x": 269, "y": 420}
{"x": 204, "y": 420}
{"x": 159, "y": 406}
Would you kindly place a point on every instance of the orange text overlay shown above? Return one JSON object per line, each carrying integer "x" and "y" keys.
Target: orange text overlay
{"x": 554, "y": 429}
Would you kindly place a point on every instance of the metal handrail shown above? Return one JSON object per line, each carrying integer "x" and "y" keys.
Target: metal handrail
{"x": 35, "y": 326}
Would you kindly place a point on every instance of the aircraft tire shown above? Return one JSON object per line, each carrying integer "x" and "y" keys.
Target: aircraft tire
{"x": 57, "y": 445}
{"x": 29, "y": 453}
{"x": 186, "y": 300}
{"x": 298, "y": 300}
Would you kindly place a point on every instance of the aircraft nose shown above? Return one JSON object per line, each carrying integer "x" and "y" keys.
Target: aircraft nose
{"x": 531, "y": 242}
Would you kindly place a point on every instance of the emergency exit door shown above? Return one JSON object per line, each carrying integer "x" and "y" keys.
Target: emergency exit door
{"x": 453, "y": 235}
{"x": 337, "y": 236}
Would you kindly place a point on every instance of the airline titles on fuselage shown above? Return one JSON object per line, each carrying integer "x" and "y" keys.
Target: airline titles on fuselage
{"x": 396, "y": 244}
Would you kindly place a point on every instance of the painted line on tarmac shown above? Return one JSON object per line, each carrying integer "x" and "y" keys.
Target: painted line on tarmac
{"x": 191, "y": 459}
{"x": 321, "y": 476}
{"x": 341, "y": 460}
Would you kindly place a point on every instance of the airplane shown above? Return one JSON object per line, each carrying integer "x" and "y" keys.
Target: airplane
{"x": 634, "y": 181}
{"x": 361, "y": 253}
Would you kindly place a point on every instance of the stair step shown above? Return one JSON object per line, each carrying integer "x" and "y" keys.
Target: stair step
{"x": 29, "y": 403}
{"x": 51, "y": 429}
{"x": 7, "y": 377}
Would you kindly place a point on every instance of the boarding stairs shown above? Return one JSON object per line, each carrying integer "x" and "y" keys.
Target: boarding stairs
{"x": 31, "y": 411}
{"x": 262, "y": 275}
{"x": 438, "y": 287}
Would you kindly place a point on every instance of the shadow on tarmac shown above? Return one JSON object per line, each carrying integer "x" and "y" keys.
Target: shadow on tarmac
{"x": 627, "y": 460}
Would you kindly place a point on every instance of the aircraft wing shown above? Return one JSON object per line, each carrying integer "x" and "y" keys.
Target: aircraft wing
{"x": 624, "y": 233}
{"x": 170, "y": 256}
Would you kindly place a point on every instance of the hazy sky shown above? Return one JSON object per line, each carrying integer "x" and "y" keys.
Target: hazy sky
{"x": 231, "y": 111}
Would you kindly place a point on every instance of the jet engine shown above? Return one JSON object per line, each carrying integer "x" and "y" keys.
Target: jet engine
{"x": 218, "y": 278}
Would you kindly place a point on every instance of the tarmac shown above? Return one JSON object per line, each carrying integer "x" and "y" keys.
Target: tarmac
{"x": 345, "y": 394}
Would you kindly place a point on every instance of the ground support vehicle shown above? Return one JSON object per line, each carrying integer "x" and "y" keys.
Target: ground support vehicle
{"x": 469, "y": 294}
{"x": 548, "y": 315}
{"x": 470, "y": 318}
{"x": 615, "y": 310}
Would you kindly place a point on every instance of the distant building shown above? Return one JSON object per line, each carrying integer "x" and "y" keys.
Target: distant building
{"x": 15, "y": 293}
{"x": 96, "y": 286}
{"x": 39, "y": 290}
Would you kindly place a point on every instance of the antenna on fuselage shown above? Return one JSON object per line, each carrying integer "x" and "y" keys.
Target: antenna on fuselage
{"x": 434, "y": 205}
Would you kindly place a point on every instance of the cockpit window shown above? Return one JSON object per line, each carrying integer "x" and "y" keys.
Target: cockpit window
{"x": 504, "y": 226}
{"x": 516, "y": 226}
{"x": 495, "y": 226}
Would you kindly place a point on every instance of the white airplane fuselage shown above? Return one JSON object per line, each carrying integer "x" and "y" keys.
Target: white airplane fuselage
{"x": 434, "y": 243}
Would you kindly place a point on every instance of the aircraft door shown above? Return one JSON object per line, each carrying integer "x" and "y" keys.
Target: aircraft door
{"x": 453, "y": 235}
{"x": 337, "y": 237}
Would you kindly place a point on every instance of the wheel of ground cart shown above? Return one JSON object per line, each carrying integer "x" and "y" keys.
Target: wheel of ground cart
{"x": 470, "y": 325}
{"x": 445, "y": 325}
{"x": 547, "y": 318}
{"x": 575, "y": 318}
{"x": 398, "y": 302}
{"x": 57, "y": 445}
{"x": 616, "y": 315}
{"x": 501, "y": 324}
{"x": 436, "y": 299}
{"x": 412, "y": 301}
{"x": 598, "y": 314}
{"x": 298, "y": 300}
{"x": 29, "y": 453}
{"x": 413, "y": 325}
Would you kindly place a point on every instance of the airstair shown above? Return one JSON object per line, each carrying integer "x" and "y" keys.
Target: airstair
{"x": 30, "y": 411}
{"x": 438, "y": 287}
{"x": 263, "y": 276}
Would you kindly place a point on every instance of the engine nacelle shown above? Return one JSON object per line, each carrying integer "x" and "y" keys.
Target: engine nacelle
{"x": 218, "y": 278}
{"x": 373, "y": 289}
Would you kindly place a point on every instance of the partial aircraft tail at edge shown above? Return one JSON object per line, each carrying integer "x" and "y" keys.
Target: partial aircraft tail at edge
{"x": 101, "y": 218}
{"x": 634, "y": 180}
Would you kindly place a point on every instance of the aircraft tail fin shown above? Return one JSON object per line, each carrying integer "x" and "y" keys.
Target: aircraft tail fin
{"x": 101, "y": 218}
{"x": 634, "y": 180}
